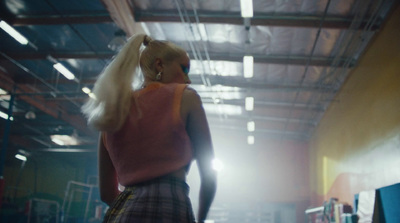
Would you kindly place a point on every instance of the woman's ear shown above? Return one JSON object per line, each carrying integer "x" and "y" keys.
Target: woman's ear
{"x": 159, "y": 65}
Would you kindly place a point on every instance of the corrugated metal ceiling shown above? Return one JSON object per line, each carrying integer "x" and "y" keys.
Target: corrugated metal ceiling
{"x": 303, "y": 51}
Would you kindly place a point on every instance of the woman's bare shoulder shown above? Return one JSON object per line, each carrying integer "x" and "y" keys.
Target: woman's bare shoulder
{"x": 191, "y": 96}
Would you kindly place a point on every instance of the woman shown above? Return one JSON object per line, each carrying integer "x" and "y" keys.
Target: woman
{"x": 150, "y": 135}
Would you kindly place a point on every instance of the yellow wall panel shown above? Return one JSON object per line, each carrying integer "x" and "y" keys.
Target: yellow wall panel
{"x": 357, "y": 143}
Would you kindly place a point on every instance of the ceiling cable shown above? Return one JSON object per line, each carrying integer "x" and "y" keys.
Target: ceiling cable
{"x": 308, "y": 63}
{"x": 352, "y": 45}
{"x": 196, "y": 52}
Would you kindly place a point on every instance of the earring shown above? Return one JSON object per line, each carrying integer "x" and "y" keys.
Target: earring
{"x": 158, "y": 76}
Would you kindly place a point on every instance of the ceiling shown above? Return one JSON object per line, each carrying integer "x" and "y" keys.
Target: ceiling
{"x": 303, "y": 51}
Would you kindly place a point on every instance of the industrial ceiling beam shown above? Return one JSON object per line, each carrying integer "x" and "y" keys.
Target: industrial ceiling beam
{"x": 49, "y": 107}
{"x": 234, "y": 18}
{"x": 282, "y": 105}
{"x": 282, "y": 59}
{"x": 307, "y": 122}
{"x": 259, "y": 19}
{"x": 266, "y": 59}
{"x": 269, "y": 133}
{"x": 59, "y": 55}
{"x": 240, "y": 82}
{"x": 62, "y": 19}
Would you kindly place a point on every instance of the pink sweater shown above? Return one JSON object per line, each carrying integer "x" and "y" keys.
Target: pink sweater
{"x": 153, "y": 140}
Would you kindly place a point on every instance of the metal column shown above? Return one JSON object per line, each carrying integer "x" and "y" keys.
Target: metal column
{"x": 3, "y": 151}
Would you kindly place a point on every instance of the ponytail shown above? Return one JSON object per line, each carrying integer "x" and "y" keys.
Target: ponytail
{"x": 113, "y": 88}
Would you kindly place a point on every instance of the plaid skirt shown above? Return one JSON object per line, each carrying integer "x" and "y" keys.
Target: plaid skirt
{"x": 162, "y": 200}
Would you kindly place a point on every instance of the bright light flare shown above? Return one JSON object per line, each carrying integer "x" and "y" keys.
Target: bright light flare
{"x": 217, "y": 165}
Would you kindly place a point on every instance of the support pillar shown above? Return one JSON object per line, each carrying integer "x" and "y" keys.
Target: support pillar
{"x": 3, "y": 151}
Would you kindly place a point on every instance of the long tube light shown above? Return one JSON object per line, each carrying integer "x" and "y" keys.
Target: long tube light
{"x": 5, "y": 116}
{"x": 13, "y": 33}
{"x": 249, "y": 103}
{"x": 89, "y": 92}
{"x": 58, "y": 141}
{"x": 246, "y": 7}
{"x": 250, "y": 140}
{"x": 86, "y": 90}
{"x": 64, "y": 71}
{"x": 248, "y": 64}
{"x": 21, "y": 157}
{"x": 251, "y": 126}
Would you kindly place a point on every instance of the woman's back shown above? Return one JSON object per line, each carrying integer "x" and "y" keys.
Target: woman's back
{"x": 153, "y": 140}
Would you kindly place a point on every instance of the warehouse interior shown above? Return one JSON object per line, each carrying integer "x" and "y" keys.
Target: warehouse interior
{"x": 316, "y": 117}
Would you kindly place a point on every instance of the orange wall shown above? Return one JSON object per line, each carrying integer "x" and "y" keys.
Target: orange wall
{"x": 356, "y": 146}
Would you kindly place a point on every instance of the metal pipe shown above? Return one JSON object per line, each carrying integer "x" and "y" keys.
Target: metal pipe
{"x": 70, "y": 197}
{"x": 3, "y": 151}
{"x": 88, "y": 203}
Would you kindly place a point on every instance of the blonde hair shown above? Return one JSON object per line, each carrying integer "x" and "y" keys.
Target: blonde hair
{"x": 109, "y": 108}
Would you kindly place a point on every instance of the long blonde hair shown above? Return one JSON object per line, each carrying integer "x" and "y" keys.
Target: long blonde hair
{"x": 113, "y": 88}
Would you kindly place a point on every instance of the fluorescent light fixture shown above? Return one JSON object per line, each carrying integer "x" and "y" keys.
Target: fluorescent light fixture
{"x": 21, "y": 157}
{"x": 4, "y": 95}
{"x": 92, "y": 95}
{"x": 246, "y": 7}
{"x": 64, "y": 71}
{"x": 13, "y": 33}
{"x": 216, "y": 100}
{"x": 249, "y": 103}
{"x": 5, "y": 116}
{"x": 250, "y": 140}
{"x": 57, "y": 141}
{"x": 248, "y": 64}
{"x": 86, "y": 90}
{"x": 217, "y": 165}
{"x": 222, "y": 109}
{"x": 251, "y": 126}
{"x": 64, "y": 140}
